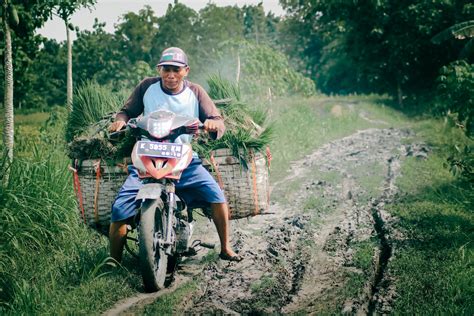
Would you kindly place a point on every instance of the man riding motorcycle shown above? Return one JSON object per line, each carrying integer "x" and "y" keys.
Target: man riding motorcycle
{"x": 171, "y": 91}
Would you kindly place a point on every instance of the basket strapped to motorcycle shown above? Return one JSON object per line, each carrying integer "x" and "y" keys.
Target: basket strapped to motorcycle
{"x": 78, "y": 191}
{"x": 98, "y": 168}
{"x": 215, "y": 166}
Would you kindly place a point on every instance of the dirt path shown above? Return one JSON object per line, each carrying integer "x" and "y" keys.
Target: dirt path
{"x": 303, "y": 257}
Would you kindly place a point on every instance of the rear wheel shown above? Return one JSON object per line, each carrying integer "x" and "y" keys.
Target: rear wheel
{"x": 153, "y": 260}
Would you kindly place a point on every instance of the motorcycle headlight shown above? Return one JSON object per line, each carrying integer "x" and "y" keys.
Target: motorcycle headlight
{"x": 159, "y": 128}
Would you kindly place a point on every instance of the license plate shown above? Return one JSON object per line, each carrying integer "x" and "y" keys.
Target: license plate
{"x": 162, "y": 150}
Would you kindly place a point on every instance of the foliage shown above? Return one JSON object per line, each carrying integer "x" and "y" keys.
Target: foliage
{"x": 97, "y": 56}
{"x": 384, "y": 46}
{"x": 49, "y": 262}
{"x": 459, "y": 31}
{"x": 461, "y": 163}
{"x": 92, "y": 103}
{"x": 123, "y": 58}
{"x": 264, "y": 72}
{"x": 455, "y": 89}
{"x": 246, "y": 128}
{"x": 433, "y": 268}
{"x": 220, "y": 89}
{"x": 137, "y": 32}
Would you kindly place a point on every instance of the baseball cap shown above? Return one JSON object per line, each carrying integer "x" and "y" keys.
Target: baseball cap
{"x": 173, "y": 56}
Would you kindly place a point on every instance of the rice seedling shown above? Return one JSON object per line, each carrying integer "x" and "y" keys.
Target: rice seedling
{"x": 245, "y": 133}
{"x": 221, "y": 89}
{"x": 91, "y": 111}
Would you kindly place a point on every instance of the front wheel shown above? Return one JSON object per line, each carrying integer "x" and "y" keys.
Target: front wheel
{"x": 153, "y": 260}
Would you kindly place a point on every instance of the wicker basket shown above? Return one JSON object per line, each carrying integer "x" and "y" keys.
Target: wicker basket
{"x": 247, "y": 190}
{"x": 96, "y": 185}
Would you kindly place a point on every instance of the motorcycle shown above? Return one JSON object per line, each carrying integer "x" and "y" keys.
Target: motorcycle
{"x": 164, "y": 223}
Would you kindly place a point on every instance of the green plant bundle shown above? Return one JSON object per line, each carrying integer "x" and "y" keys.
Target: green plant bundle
{"x": 221, "y": 89}
{"x": 245, "y": 131}
{"x": 91, "y": 110}
{"x": 86, "y": 130}
{"x": 94, "y": 106}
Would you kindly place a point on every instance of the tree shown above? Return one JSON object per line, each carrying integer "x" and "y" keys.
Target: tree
{"x": 22, "y": 17}
{"x": 9, "y": 16}
{"x": 65, "y": 9}
{"x": 136, "y": 33}
{"x": 98, "y": 56}
{"x": 177, "y": 28}
{"x": 385, "y": 44}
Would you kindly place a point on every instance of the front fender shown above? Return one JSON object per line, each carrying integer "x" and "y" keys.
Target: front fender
{"x": 150, "y": 191}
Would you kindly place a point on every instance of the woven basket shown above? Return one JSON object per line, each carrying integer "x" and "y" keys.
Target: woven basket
{"x": 247, "y": 190}
{"x": 96, "y": 185}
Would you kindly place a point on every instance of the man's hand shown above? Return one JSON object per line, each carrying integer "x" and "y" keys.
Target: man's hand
{"x": 116, "y": 126}
{"x": 212, "y": 125}
{"x": 193, "y": 128}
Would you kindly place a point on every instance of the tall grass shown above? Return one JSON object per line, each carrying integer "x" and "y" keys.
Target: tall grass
{"x": 434, "y": 266}
{"x": 49, "y": 262}
{"x": 92, "y": 103}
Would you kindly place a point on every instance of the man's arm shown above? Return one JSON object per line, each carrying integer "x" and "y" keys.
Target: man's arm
{"x": 133, "y": 107}
{"x": 208, "y": 112}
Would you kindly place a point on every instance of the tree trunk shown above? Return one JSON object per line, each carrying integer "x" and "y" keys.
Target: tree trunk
{"x": 237, "y": 77}
{"x": 8, "y": 129}
{"x": 69, "y": 68}
{"x": 399, "y": 94}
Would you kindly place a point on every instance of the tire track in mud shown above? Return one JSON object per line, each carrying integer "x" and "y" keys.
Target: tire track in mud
{"x": 295, "y": 260}
{"x": 298, "y": 258}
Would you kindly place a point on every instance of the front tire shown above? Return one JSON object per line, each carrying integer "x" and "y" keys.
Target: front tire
{"x": 153, "y": 260}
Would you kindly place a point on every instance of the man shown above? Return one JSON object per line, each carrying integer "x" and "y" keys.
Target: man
{"x": 172, "y": 92}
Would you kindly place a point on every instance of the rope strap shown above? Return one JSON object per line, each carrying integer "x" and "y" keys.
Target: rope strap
{"x": 96, "y": 193}
{"x": 77, "y": 190}
{"x": 219, "y": 179}
{"x": 254, "y": 181}
{"x": 269, "y": 157}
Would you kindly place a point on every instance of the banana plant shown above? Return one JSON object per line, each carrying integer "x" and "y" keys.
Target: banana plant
{"x": 460, "y": 31}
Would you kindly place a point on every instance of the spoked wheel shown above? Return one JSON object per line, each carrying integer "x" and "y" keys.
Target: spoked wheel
{"x": 153, "y": 260}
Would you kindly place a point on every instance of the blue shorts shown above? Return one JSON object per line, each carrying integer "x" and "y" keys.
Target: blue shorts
{"x": 196, "y": 187}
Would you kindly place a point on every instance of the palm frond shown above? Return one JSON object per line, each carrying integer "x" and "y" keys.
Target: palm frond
{"x": 468, "y": 50}
{"x": 459, "y": 31}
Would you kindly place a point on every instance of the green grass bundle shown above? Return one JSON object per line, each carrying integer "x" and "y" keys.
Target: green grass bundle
{"x": 221, "y": 89}
{"x": 245, "y": 127}
{"x": 93, "y": 111}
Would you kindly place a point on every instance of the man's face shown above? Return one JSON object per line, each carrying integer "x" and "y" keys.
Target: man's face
{"x": 173, "y": 76}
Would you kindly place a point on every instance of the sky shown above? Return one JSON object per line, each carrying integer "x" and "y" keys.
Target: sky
{"x": 109, "y": 11}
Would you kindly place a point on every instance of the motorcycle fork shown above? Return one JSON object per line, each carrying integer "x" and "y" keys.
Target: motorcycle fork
{"x": 170, "y": 191}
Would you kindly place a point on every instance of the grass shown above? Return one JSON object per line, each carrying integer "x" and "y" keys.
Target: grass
{"x": 172, "y": 303}
{"x": 51, "y": 264}
{"x": 302, "y": 124}
{"x": 434, "y": 266}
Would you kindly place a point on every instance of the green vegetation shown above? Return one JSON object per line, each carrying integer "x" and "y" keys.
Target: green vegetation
{"x": 434, "y": 265}
{"x": 172, "y": 303}
{"x": 302, "y": 124}
{"x": 49, "y": 262}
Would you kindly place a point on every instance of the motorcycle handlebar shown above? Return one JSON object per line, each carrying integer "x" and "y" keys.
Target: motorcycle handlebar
{"x": 117, "y": 134}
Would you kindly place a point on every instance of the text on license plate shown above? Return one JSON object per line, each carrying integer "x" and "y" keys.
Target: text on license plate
{"x": 156, "y": 149}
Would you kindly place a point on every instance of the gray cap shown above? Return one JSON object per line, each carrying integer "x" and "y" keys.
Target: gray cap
{"x": 173, "y": 56}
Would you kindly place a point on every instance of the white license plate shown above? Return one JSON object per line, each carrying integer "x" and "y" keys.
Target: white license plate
{"x": 157, "y": 149}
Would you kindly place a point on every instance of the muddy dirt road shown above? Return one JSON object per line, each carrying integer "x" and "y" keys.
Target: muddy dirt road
{"x": 324, "y": 248}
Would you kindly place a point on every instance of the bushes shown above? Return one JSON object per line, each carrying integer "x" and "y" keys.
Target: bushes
{"x": 455, "y": 89}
